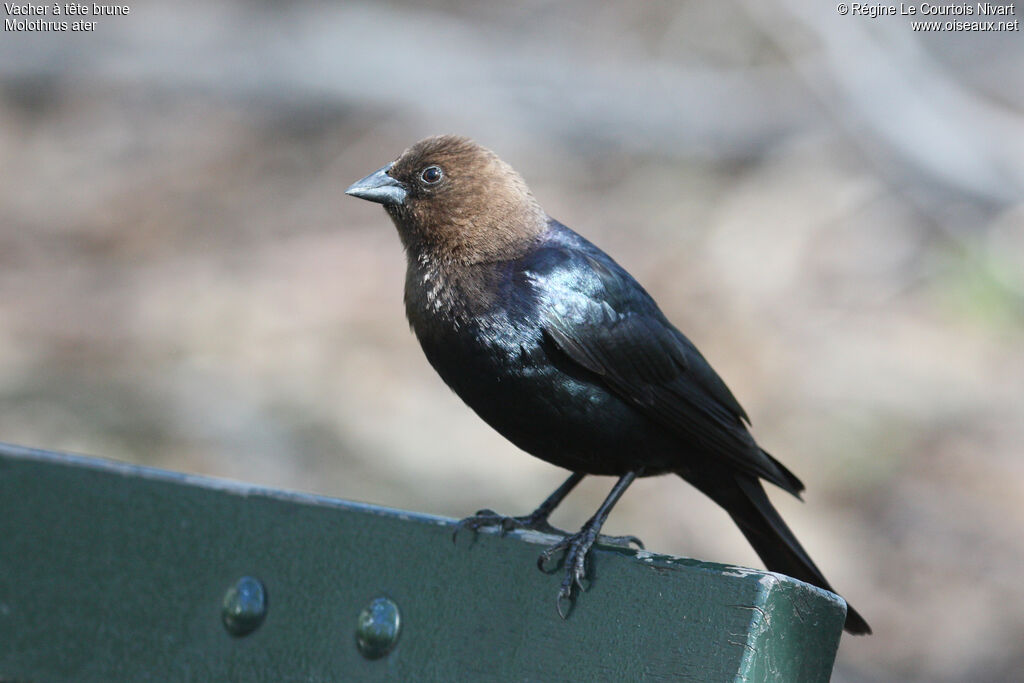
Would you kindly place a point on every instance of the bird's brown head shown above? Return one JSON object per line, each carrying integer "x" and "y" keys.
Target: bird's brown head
{"x": 455, "y": 201}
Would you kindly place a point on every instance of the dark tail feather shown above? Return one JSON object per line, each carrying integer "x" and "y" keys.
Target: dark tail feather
{"x": 784, "y": 479}
{"x": 775, "y": 544}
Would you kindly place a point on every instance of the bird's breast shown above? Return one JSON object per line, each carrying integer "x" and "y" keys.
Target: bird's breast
{"x": 500, "y": 364}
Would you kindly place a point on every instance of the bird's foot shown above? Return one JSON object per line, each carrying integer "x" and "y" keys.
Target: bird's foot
{"x": 489, "y": 518}
{"x": 576, "y": 548}
{"x": 532, "y": 522}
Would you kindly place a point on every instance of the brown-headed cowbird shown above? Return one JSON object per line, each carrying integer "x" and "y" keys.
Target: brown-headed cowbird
{"x": 558, "y": 348}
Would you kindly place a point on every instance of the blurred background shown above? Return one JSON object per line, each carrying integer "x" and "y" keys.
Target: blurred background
{"x": 831, "y": 207}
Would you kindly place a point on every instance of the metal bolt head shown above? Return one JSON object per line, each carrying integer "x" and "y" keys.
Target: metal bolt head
{"x": 377, "y": 628}
{"x": 244, "y": 606}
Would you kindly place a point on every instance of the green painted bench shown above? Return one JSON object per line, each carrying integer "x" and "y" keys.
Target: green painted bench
{"x": 112, "y": 572}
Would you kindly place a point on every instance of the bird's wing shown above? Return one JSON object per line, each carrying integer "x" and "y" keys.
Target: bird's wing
{"x": 603, "y": 320}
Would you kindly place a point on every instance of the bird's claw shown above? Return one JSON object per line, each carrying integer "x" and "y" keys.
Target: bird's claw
{"x": 564, "y": 597}
{"x": 490, "y": 518}
{"x": 576, "y": 548}
{"x": 482, "y": 518}
{"x": 545, "y": 556}
{"x": 621, "y": 541}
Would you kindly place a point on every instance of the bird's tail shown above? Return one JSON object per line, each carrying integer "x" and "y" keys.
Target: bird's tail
{"x": 775, "y": 544}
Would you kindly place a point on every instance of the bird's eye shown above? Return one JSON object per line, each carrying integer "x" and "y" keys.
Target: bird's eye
{"x": 432, "y": 175}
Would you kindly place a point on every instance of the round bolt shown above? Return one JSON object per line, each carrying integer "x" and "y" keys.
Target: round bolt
{"x": 244, "y": 606}
{"x": 377, "y": 628}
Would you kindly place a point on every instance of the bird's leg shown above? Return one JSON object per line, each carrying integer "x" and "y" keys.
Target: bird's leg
{"x": 535, "y": 521}
{"x": 577, "y": 546}
{"x": 538, "y": 519}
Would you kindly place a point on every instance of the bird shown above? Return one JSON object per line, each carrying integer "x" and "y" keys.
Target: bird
{"x": 565, "y": 354}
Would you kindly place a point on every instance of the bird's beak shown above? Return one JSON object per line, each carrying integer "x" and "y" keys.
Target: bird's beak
{"x": 379, "y": 187}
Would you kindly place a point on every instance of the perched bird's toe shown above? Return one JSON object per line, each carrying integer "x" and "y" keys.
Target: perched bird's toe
{"x": 548, "y": 553}
{"x": 482, "y": 519}
{"x": 563, "y": 604}
{"x": 621, "y": 541}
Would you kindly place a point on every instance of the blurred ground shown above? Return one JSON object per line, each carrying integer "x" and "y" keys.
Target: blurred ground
{"x": 830, "y": 207}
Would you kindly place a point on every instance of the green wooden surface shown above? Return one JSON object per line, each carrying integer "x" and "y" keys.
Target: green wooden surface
{"x": 110, "y": 572}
